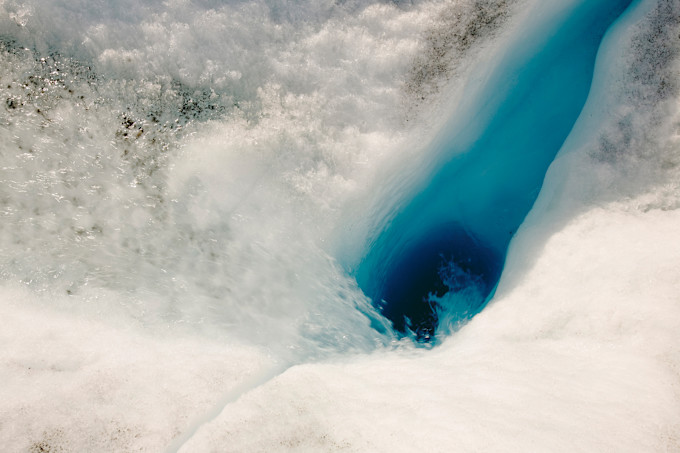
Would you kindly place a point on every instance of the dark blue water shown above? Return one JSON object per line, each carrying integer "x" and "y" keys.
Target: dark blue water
{"x": 443, "y": 253}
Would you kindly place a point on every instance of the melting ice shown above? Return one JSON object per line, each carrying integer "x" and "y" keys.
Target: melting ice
{"x": 226, "y": 225}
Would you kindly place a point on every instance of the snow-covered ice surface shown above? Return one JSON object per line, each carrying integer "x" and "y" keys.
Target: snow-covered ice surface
{"x": 188, "y": 186}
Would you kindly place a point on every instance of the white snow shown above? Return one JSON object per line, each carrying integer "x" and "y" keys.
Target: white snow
{"x": 199, "y": 307}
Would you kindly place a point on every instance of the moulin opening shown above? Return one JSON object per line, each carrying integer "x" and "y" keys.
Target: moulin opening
{"x": 447, "y": 271}
{"x": 439, "y": 257}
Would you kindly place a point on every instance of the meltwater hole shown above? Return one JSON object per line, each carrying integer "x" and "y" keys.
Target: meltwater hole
{"x": 440, "y": 256}
{"x": 447, "y": 271}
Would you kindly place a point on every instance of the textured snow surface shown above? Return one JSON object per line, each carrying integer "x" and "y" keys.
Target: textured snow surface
{"x": 187, "y": 187}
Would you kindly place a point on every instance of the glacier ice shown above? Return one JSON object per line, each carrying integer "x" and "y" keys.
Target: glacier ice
{"x": 189, "y": 189}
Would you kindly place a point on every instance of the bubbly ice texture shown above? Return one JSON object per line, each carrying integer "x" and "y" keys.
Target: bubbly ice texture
{"x": 133, "y": 169}
{"x": 181, "y": 179}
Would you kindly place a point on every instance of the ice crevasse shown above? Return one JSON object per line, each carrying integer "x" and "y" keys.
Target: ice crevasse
{"x": 441, "y": 253}
{"x": 220, "y": 234}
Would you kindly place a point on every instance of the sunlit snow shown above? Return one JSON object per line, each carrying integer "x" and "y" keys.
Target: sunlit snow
{"x": 208, "y": 207}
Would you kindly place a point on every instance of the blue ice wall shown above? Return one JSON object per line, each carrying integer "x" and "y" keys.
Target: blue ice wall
{"x": 442, "y": 254}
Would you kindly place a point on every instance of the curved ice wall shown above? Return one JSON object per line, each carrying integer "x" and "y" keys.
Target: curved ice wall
{"x": 438, "y": 257}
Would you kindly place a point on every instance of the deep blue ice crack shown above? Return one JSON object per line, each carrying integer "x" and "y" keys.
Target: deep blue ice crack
{"x": 441, "y": 255}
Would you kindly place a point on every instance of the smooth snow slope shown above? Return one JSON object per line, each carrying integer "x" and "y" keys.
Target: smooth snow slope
{"x": 180, "y": 180}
